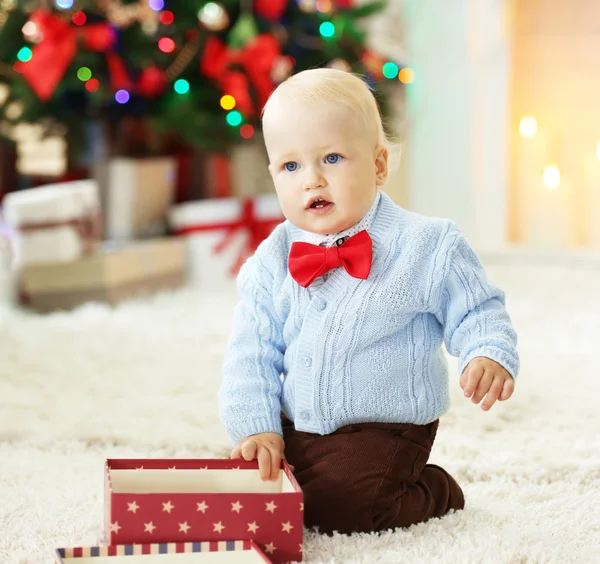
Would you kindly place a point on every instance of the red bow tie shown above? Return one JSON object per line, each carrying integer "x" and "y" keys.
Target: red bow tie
{"x": 307, "y": 262}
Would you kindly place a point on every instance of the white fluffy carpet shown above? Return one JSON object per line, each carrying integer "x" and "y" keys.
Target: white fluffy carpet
{"x": 141, "y": 381}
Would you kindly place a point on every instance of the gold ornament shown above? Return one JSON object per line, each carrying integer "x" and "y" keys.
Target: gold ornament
{"x": 282, "y": 69}
{"x": 307, "y": 6}
{"x": 213, "y": 17}
{"x": 31, "y": 32}
{"x": 340, "y": 64}
{"x": 125, "y": 15}
{"x": 5, "y": 7}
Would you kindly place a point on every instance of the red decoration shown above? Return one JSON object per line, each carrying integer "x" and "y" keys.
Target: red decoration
{"x": 270, "y": 9}
{"x": 272, "y": 520}
{"x": 373, "y": 63}
{"x": 152, "y": 82}
{"x": 258, "y": 230}
{"x": 344, "y": 4}
{"x": 53, "y": 55}
{"x": 257, "y": 59}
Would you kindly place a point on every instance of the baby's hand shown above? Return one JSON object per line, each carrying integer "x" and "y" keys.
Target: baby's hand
{"x": 484, "y": 376}
{"x": 267, "y": 448}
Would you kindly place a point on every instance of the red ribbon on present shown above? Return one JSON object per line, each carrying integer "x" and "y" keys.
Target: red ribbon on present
{"x": 257, "y": 229}
{"x": 256, "y": 58}
{"x": 56, "y": 51}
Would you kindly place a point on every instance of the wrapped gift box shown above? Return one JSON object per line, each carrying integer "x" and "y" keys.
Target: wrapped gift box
{"x": 54, "y": 223}
{"x": 7, "y": 290}
{"x": 186, "y": 500}
{"x": 221, "y": 233}
{"x": 221, "y": 552}
{"x": 138, "y": 195}
{"x": 8, "y": 166}
{"x": 114, "y": 273}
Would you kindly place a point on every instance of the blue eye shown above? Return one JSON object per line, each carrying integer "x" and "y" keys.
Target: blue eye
{"x": 291, "y": 166}
{"x": 333, "y": 158}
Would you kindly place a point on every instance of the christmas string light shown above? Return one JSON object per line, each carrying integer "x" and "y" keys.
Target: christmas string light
{"x": 247, "y": 131}
{"x": 227, "y": 102}
{"x": 181, "y": 86}
{"x": 92, "y": 85}
{"x": 79, "y": 18}
{"x": 327, "y": 29}
{"x": 390, "y": 70}
{"x": 166, "y": 45}
{"x": 25, "y": 54}
{"x": 234, "y": 118}
{"x": 406, "y": 75}
{"x": 167, "y": 17}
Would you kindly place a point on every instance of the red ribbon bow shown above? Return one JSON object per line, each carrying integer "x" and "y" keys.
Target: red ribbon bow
{"x": 307, "y": 261}
{"x": 56, "y": 51}
{"x": 257, "y": 230}
{"x": 256, "y": 58}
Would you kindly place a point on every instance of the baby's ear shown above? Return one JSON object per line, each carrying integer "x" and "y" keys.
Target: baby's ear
{"x": 381, "y": 165}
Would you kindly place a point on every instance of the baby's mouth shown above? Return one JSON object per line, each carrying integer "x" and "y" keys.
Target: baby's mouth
{"x": 320, "y": 203}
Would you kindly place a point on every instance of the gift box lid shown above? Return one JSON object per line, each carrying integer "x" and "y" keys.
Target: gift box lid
{"x": 113, "y": 265}
{"x": 220, "y": 552}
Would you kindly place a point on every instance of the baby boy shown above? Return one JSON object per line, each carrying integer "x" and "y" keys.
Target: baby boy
{"x": 336, "y": 361}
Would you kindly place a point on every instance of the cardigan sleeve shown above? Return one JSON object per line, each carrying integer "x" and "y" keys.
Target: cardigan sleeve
{"x": 472, "y": 311}
{"x": 249, "y": 396}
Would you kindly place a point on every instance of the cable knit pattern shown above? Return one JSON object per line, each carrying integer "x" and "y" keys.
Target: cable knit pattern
{"x": 350, "y": 350}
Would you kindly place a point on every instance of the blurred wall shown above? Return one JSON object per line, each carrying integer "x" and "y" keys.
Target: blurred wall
{"x": 555, "y": 80}
{"x": 457, "y": 114}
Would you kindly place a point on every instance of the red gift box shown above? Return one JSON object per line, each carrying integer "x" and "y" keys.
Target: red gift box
{"x": 187, "y": 500}
{"x": 222, "y": 552}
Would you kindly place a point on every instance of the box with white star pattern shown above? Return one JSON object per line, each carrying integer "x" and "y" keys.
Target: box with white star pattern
{"x": 203, "y": 500}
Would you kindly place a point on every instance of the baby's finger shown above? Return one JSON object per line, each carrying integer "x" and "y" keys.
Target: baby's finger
{"x": 236, "y": 452}
{"x": 249, "y": 449}
{"x": 275, "y": 464}
{"x": 493, "y": 394}
{"x": 473, "y": 378}
{"x": 507, "y": 389}
{"x": 483, "y": 386}
{"x": 463, "y": 379}
{"x": 264, "y": 462}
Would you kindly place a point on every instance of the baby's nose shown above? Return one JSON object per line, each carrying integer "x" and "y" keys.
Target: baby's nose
{"x": 314, "y": 179}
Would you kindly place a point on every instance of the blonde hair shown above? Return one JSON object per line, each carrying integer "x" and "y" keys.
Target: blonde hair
{"x": 337, "y": 86}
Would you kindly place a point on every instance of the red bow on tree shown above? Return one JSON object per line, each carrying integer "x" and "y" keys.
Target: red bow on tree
{"x": 55, "y": 52}
{"x": 307, "y": 261}
{"x": 256, "y": 58}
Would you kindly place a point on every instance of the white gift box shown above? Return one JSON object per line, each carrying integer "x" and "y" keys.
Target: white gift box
{"x": 138, "y": 195}
{"x": 54, "y": 223}
{"x": 221, "y": 234}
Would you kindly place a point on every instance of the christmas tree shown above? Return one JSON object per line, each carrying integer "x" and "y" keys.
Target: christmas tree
{"x": 190, "y": 70}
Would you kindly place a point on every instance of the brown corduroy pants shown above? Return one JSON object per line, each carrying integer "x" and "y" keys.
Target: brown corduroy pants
{"x": 370, "y": 476}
